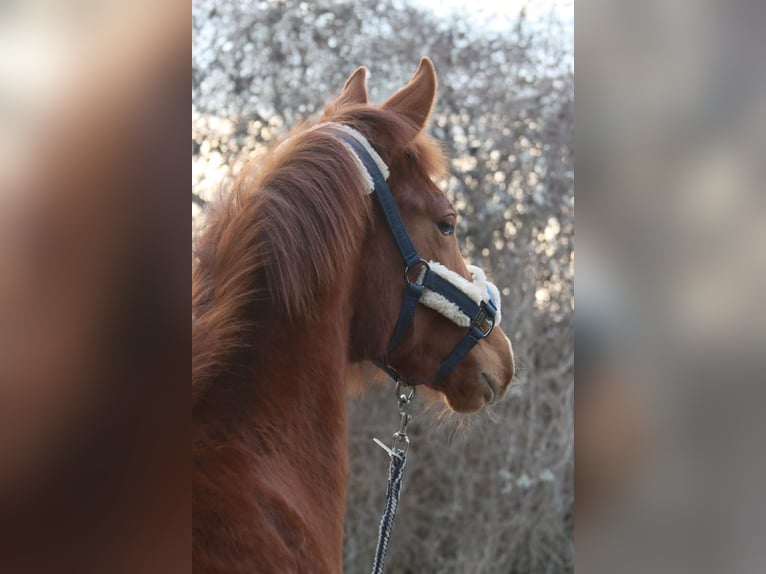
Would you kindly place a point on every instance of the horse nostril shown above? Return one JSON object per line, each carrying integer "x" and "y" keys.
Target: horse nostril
{"x": 488, "y": 380}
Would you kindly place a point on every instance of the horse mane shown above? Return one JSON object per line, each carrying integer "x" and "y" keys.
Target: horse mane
{"x": 279, "y": 241}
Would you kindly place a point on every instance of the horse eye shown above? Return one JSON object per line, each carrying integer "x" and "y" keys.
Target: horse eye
{"x": 446, "y": 226}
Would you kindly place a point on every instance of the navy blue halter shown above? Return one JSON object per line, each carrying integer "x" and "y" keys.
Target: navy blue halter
{"x": 482, "y": 316}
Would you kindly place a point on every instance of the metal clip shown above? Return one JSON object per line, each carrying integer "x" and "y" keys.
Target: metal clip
{"x": 400, "y": 438}
{"x": 405, "y": 405}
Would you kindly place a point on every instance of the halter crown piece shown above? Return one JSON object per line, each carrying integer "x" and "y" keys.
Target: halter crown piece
{"x": 474, "y": 304}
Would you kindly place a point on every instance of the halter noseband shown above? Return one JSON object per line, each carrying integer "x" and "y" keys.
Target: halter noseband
{"x": 436, "y": 286}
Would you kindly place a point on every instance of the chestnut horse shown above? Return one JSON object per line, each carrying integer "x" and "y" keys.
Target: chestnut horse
{"x": 297, "y": 278}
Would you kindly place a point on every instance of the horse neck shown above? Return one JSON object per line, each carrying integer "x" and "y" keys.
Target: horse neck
{"x": 272, "y": 310}
{"x": 275, "y": 449}
{"x": 288, "y": 375}
{"x": 273, "y": 432}
{"x": 299, "y": 381}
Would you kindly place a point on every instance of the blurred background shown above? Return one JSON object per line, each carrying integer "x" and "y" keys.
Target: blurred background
{"x": 494, "y": 492}
{"x": 671, "y": 120}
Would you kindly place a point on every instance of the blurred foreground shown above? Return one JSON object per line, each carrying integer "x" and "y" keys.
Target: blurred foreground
{"x": 94, "y": 402}
{"x": 671, "y": 121}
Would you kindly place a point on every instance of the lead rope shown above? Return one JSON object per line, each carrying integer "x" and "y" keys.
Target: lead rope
{"x": 395, "y": 475}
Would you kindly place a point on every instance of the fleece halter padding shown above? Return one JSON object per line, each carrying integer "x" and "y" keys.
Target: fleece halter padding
{"x": 361, "y": 140}
{"x": 474, "y": 304}
{"x": 479, "y": 290}
{"x": 381, "y": 165}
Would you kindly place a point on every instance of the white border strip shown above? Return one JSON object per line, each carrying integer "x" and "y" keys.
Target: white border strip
{"x": 363, "y": 170}
{"x": 363, "y": 141}
{"x": 366, "y": 144}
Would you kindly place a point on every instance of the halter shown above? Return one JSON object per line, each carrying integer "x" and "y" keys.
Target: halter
{"x": 471, "y": 304}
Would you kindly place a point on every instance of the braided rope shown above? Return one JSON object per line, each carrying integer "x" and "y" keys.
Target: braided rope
{"x": 395, "y": 475}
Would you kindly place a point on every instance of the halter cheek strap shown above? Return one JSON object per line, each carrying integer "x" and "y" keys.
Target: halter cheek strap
{"x": 472, "y": 304}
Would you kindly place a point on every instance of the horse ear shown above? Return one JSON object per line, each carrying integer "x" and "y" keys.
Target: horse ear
{"x": 416, "y": 99}
{"x": 355, "y": 88}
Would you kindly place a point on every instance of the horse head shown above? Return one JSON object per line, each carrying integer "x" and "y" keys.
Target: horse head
{"x": 395, "y": 130}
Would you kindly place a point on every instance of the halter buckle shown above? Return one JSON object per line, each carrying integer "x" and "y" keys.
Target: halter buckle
{"x": 482, "y": 319}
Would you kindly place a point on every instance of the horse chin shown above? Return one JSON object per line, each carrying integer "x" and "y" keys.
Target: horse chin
{"x": 471, "y": 398}
{"x": 465, "y": 406}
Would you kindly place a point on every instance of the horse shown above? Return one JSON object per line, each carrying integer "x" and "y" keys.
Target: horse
{"x": 297, "y": 280}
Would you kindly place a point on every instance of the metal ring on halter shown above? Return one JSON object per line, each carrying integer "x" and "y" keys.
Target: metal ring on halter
{"x": 407, "y": 271}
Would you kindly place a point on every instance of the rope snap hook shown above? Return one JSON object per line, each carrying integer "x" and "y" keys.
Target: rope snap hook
{"x": 400, "y": 441}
